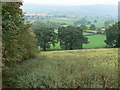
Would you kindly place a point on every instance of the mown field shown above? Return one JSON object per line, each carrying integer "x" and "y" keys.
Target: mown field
{"x": 96, "y": 41}
{"x": 88, "y": 68}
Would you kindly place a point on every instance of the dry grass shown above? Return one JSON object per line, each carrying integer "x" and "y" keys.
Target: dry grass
{"x": 87, "y": 68}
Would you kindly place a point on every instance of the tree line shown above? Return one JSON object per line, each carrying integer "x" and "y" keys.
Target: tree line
{"x": 70, "y": 37}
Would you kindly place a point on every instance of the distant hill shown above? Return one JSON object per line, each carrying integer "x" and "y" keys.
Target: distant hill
{"x": 76, "y": 10}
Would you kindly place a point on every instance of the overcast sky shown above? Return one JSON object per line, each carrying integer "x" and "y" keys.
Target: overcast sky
{"x": 71, "y": 2}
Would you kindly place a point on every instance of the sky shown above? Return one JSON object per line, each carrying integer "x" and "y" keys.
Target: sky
{"x": 71, "y": 2}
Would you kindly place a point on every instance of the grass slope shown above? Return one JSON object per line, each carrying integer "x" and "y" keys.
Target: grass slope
{"x": 88, "y": 68}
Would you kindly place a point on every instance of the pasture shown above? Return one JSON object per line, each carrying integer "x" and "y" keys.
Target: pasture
{"x": 58, "y": 20}
{"x": 85, "y": 33}
{"x": 95, "y": 41}
{"x": 88, "y": 68}
{"x": 70, "y": 21}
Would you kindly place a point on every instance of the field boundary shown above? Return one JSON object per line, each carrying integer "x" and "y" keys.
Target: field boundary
{"x": 78, "y": 49}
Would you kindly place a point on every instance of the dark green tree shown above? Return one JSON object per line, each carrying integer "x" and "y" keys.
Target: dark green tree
{"x": 83, "y": 21}
{"x": 113, "y": 35}
{"x": 71, "y": 37}
{"x": 107, "y": 24}
{"x": 88, "y": 22}
{"x": 83, "y": 27}
{"x": 95, "y": 21}
{"x": 46, "y": 37}
{"x": 92, "y": 27}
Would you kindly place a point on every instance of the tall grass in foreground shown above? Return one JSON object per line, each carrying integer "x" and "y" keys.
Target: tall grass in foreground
{"x": 67, "y": 69}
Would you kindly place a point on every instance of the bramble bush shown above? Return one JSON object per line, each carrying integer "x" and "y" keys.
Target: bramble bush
{"x": 18, "y": 39}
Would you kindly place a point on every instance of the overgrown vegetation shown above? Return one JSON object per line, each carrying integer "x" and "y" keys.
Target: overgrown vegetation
{"x": 18, "y": 39}
{"x": 93, "y": 68}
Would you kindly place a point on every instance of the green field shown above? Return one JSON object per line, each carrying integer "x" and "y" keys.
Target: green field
{"x": 99, "y": 23}
{"x": 96, "y": 41}
{"x": 85, "y": 33}
{"x": 57, "y": 46}
{"x": 88, "y": 68}
{"x": 70, "y": 21}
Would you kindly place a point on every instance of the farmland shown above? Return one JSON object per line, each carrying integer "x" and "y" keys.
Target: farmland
{"x": 95, "y": 41}
{"x": 70, "y": 19}
{"x": 88, "y": 68}
{"x": 29, "y": 59}
{"x": 59, "y": 21}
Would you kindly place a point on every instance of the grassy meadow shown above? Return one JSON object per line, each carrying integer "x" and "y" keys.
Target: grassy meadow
{"x": 88, "y": 68}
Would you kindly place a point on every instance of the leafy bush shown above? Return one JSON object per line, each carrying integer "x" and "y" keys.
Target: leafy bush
{"x": 18, "y": 42}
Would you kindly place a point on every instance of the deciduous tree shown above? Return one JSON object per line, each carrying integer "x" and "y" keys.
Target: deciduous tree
{"x": 113, "y": 35}
{"x": 92, "y": 27}
{"x": 46, "y": 37}
{"x": 71, "y": 37}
